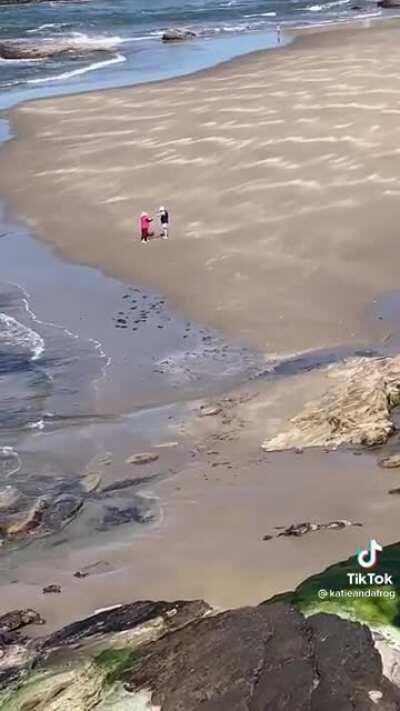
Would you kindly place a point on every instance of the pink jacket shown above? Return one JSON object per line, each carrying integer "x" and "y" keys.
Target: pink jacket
{"x": 145, "y": 222}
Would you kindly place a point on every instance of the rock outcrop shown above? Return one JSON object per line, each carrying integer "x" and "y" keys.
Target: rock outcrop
{"x": 355, "y": 410}
{"x": 182, "y": 656}
{"x": 175, "y": 35}
{"x": 48, "y": 49}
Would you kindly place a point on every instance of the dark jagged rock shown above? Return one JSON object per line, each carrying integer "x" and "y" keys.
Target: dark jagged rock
{"x": 264, "y": 658}
{"x": 17, "y": 619}
{"x": 51, "y": 589}
{"x": 126, "y": 617}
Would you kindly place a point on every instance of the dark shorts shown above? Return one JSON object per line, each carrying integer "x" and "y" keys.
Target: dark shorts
{"x": 145, "y": 233}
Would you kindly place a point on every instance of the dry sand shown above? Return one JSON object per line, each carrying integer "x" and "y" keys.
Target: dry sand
{"x": 280, "y": 171}
{"x": 281, "y": 177}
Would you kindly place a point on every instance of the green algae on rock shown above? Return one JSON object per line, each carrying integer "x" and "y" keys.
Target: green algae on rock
{"x": 379, "y": 608}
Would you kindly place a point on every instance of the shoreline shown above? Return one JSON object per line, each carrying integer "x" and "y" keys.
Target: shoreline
{"x": 227, "y": 484}
{"x": 311, "y": 41}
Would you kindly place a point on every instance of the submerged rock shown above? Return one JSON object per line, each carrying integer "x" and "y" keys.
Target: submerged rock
{"x": 355, "y": 410}
{"x": 10, "y": 497}
{"x": 30, "y": 521}
{"x": 119, "y": 512}
{"x": 62, "y": 510}
{"x": 126, "y": 484}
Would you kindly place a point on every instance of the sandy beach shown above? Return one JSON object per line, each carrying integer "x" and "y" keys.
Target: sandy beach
{"x": 280, "y": 174}
{"x": 278, "y": 171}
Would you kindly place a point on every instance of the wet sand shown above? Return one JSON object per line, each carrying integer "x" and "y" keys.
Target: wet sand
{"x": 280, "y": 174}
{"x": 216, "y": 509}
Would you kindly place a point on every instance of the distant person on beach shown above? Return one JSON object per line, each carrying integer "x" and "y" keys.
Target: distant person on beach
{"x": 145, "y": 224}
{"x": 278, "y": 33}
{"x": 164, "y": 222}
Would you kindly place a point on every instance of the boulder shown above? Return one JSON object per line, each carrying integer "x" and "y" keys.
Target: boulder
{"x": 356, "y": 408}
{"x": 28, "y": 49}
{"x": 175, "y": 35}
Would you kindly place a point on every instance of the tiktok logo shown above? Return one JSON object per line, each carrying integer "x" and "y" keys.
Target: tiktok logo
{"x": 368, "y": 557}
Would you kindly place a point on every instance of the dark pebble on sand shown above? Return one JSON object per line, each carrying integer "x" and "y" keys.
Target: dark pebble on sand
{"x": 267, "y": 538}
{"x": 51, "y": 589}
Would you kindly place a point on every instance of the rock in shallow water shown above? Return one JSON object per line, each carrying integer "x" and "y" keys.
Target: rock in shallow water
{"x": 142, "y": 458}
{"x": 29, "y": 521}
{"x": 175, "y": 35}
{"x": 9, "y": 498}
{"x": 27, "y": 49}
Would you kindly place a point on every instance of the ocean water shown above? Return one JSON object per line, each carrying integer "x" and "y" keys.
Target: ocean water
{"x": 124, "y": 38}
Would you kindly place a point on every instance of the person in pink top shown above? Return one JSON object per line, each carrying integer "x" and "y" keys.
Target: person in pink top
{"x": 145, "y": 223}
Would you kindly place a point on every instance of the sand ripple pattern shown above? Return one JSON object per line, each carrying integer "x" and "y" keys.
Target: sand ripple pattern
{"x": 282, "y": 172}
